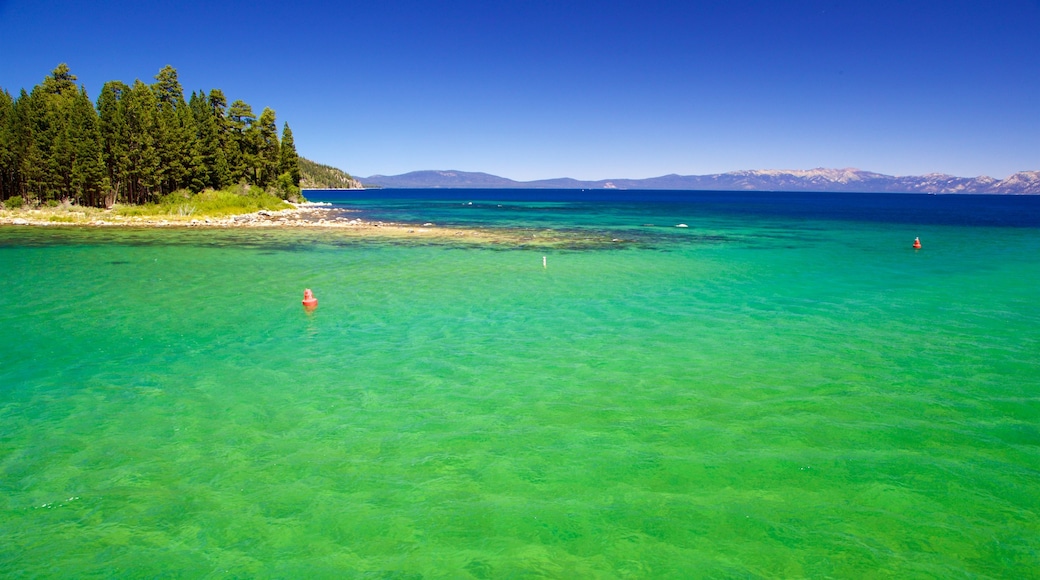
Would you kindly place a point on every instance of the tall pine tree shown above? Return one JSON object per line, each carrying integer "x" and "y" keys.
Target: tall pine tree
{"x": 28, "y": 111}
{"x": 207, "y": 139}
{"x": 173, "y": 139}
{"x": 223, "y": 175}
{"x": 51, "y": 132}
{"x": 242, "y": 145}
{"x": 195, "y": 173}
{"x": 114, "y": 140}
{"x": 88, "y": 181}
{"x": 140, "y": 111}
{"x": 268, "y": 153}
{"x": 8, "y": 149}
{"x": 288, "y": 160}
{"x": 55, "y": 129}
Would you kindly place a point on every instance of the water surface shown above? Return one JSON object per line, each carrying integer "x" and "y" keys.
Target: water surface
{"x": 782, "y": 389}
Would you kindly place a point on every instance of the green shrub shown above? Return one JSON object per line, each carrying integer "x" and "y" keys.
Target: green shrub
{"x": 14, "y": 202}
{"x": 176, "y": 197}
{"x": 286, "y": 188}
{"x": 53, "y": 203}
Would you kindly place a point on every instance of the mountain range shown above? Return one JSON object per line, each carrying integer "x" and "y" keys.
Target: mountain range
{"x": 832, "y": 180}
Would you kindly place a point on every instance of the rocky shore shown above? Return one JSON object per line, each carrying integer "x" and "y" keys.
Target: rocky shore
{"x": 316, "y": 216}
{"x": 302, "y": 215}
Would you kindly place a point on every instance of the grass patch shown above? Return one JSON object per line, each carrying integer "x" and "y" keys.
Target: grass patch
{"x": 209, "y": 203}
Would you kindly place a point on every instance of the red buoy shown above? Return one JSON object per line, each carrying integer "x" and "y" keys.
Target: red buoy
{"x": 917, "y": 243}
{"x": 309, "y": 301}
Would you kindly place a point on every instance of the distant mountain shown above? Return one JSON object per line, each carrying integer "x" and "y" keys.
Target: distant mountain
{"x": 836, "y": 180}
{"x": 445, "y": 179}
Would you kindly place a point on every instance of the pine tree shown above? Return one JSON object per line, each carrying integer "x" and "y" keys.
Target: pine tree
{"x": 222, "y": 169}
{"x": 140, "y": 111}
{"x": 28, "y": 112}
{"x": 268, "y": 154}
{"x": 242, "y": 145}
{"x": 207, "y": 138}
{"x": 195, "y": 173}
{"x": 61, "y": 81}
{"x": 173, "y": 139}
{"x": 50, "y": 120}
{"x": 87, "y": 180}
{"x": 8, "y": 150}
{"x": 58, "y": 154}
{"x": 114, "y": 139}
{"x": 288, "y": 159}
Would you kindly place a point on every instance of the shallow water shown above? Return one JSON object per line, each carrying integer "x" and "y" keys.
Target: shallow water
{"x": 766, "y": 393}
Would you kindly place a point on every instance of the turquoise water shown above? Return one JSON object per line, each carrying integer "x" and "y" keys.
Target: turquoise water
{"x": 762, "y": 394}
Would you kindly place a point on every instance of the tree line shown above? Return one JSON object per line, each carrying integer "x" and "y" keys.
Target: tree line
{"x": 137, "y": 143}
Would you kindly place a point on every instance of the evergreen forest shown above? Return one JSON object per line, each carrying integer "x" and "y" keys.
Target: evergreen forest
{"x": 136, "y": 144}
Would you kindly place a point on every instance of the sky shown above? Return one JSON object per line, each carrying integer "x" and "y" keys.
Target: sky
{"x": 537, "y": 89}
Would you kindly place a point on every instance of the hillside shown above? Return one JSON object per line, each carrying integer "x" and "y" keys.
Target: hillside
{"x": 319, "y": 176}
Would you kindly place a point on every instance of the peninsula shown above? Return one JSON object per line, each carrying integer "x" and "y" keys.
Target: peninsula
{"x": 302, "y": 216}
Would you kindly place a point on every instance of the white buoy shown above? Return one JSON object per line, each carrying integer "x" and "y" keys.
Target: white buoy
{"x": 544, "y": 265}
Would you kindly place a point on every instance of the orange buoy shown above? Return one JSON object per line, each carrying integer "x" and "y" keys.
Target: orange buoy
{"x": 309, "y": 301}
{"x": 917, "y": 243}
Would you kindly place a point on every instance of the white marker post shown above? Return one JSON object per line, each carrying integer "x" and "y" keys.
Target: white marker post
{"x": 544, "y": 265}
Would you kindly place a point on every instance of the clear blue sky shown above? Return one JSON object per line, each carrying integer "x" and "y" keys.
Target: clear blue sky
{"x": 610, "y": 89}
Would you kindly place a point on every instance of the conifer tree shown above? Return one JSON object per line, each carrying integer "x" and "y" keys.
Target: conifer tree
{"x": 289, "y": 161}
{"x": 140, "y": 111}
{"x": 207, "y": 139}
{"x": 222, "y": 169}
{"x": 28, "y": 109}
{"x": 87, "y": 180}
{"x": 195, "y": 173}
{"x": 58, "y": 154}
{"x": 268, "y": 153}
{"x": 50, "y": 122}
{"x": 242, "y": 145}
{"x": 8, "y": 151}
{"x": 61, "y": 81}
{"x": 222, "y": 176}
{"x": 114, "y": 139}
{"x": 173, "y": 139}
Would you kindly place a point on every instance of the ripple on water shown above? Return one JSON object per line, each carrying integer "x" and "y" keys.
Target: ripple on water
{"x": 740, "y": 399}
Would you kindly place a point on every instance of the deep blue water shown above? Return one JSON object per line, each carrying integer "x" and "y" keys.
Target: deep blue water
{"x": 954, "y": 210}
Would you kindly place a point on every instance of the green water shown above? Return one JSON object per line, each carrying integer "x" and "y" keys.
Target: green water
{"x": 773, "y": 399}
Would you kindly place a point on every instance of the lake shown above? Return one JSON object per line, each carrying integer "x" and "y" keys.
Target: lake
{"x": 782, "y": 388}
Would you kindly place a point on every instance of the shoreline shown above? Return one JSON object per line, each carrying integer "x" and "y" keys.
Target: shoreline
{"x": 303, "y": 216}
